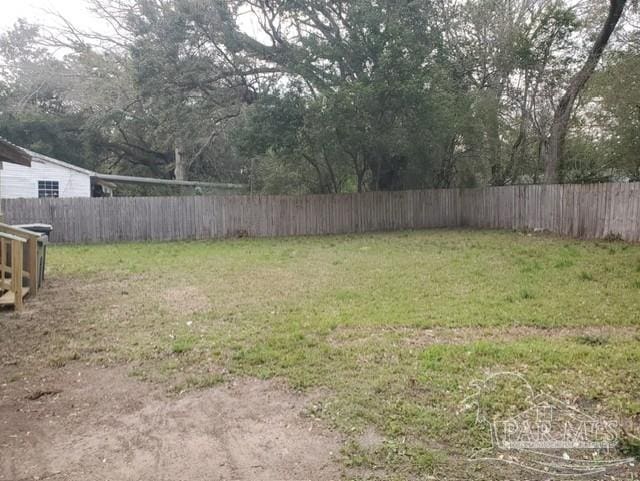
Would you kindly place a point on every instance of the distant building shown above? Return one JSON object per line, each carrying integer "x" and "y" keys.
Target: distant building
{"x": 46, "y": 177}
{"x": 27, "y": 174}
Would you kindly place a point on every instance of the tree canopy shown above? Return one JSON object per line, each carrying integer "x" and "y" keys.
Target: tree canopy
{"x": 297, "y": 96}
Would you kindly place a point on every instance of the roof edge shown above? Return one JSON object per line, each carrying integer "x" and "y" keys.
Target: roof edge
{"x": 14, "y": 154}
{"x": 128, "y": 179}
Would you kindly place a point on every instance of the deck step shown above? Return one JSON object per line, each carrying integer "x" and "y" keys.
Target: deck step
{"x": 8, "y": 299}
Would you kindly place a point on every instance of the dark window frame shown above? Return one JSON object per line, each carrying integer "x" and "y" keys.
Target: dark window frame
{"x": 48, "y": 188}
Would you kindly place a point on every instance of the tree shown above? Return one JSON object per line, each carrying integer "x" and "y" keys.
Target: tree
{"x": 328, "y": 96}
{"x": 512, "y": 55}
{"x": 371, "y": 81}
{"x": 154, "y": 89}
{"x": 604, "y": 143}
{"x": 554, "y": 145}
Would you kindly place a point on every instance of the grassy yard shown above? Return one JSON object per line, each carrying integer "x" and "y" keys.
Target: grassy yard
{"x": 392, "y": 329}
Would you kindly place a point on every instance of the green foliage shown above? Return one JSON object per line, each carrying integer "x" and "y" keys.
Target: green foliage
{"x": 58, "y": 136}
{"x": 338, "y": 97}
{"x": 616, "y": 91}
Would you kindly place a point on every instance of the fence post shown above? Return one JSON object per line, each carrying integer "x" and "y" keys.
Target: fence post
{"x": 16, "y": 273}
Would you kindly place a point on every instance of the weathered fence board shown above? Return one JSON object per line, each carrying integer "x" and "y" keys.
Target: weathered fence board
{"x": 585, "y": 211}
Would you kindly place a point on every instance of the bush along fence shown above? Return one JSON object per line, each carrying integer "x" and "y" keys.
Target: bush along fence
{"x": 584, "y": 211}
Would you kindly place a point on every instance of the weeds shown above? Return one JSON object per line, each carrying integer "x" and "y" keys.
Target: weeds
{"x": 182, "y": 345}
{"x": 590, "y": 340}
{"x": 585, "y": 276}
{"x": 526, "y": 294}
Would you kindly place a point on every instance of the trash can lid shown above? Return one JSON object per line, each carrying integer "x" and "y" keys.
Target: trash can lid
{"x": 40, "y": 228}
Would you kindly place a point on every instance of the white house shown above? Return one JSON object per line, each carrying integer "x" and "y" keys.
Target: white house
{"x": 46, "y": 177}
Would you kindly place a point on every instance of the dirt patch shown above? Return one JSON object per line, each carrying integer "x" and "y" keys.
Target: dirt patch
{"x": 470, "y": 334}
{"x": 186, "y": 300}
{"x": 370, "y": 438}
{"x": 99, "y": 424}
{"x": 420, "y": 338}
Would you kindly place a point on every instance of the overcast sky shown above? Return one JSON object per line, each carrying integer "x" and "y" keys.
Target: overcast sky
{"x": 76, "y": 11}
{"x": 35, "y": 11}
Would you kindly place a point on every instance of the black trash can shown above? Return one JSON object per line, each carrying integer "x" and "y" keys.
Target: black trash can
{"x": 44, "y": 230}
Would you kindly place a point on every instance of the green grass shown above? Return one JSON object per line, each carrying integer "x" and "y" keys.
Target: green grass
{"x": 347, "y": 314}
{"x": 183, "y": 344}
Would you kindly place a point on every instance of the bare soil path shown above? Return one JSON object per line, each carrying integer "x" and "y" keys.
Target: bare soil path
{"x": 89, "y": 423}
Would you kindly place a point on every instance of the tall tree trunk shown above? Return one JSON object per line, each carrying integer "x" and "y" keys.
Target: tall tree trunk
{"x": 555, "y": 143}
{"x": 180, "y": 171}
{"x": 519, "y": 147}
{"x": 444, "y": 179}
{"x": 498, "y": 170}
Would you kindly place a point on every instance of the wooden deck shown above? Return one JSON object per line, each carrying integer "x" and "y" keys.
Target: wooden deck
{"x": 19, "y": 266}
{"x": 9, "y": 297}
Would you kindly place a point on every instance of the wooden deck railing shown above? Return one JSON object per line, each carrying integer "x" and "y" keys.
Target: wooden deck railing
{"x": 30, "y": 253}
{"x": 19, "y": 267}
{"x": 12, "y": 254}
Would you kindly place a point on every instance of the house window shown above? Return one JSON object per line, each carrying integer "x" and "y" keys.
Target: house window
{"x": 48, "y": 188}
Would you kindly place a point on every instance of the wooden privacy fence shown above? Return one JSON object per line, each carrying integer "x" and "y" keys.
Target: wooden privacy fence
{"x": 589, "y": 211}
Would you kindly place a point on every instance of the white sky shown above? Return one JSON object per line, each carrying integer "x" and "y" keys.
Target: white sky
{"x": 35, "y": 11}
{"x": 76, "y": 11}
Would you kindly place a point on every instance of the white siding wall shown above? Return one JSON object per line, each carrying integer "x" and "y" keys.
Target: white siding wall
{"x": 17, "y": 181}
